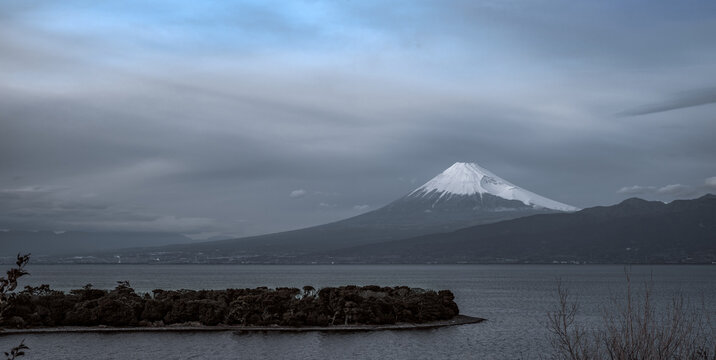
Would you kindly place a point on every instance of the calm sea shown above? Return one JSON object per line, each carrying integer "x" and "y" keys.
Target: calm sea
{"x": 514, "y": 299}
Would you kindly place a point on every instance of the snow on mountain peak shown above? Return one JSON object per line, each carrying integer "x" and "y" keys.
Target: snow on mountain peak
{"x": 470, "y": 179}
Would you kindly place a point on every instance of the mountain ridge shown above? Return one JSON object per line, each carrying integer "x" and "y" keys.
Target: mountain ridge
{"x": 408, "y": 216}
{"x": 635, "y": 230}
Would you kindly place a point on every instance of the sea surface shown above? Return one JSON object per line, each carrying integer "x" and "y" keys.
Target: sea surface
{"x": 514, "y": 298}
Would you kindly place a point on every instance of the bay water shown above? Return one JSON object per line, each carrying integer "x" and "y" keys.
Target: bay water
{"x": 514, "y": 299}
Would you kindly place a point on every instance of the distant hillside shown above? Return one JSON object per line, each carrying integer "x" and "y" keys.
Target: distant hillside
{"x": 41, "y": 243}
{"x": 463, "y": 195}
{"x": 634, "y": 231}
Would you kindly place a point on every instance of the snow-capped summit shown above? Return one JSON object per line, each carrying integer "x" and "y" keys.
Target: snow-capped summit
{"x": 468, "y": 179}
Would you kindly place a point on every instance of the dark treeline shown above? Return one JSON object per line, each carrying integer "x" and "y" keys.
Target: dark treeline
{"x": 346, "y": 305}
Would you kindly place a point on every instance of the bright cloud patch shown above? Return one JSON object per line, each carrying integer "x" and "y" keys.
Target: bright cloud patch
{"x": 636, "y": 189}
{"x": 710, "y": 182}
{"x": 675, "y": 189}
{"x": 297, "y": 193}
{"x": 672, "y": 190}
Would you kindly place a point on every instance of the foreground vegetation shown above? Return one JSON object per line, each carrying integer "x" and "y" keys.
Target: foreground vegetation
{"x": 346, "y": 305}
{"x": 8, "y": 284}
{"x": 633, "y": 328}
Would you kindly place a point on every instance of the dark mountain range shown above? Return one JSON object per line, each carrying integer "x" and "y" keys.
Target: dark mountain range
{"x": 633, "y": 231}
{"x": 41, "y": 243}
{"x": 463, "y": 195}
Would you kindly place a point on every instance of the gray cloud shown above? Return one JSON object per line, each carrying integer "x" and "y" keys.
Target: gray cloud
{"x": 671, "y": 191}
{"x": 679, "y": 101}
{"x": 710, "y": 183}
{"x": 204, "y": 123}
{"x": 50, "y": 207}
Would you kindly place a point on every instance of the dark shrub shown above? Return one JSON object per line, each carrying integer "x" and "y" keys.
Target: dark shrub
{"x": 121, "y": 306}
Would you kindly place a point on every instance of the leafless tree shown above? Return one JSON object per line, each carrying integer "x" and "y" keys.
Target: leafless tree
{"x": 633, "y": 329}
{"x": 570, "y": 340}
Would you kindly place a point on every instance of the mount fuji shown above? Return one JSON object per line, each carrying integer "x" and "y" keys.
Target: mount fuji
{"x": 469, "y": 180}
{"x": 463, "y": 195}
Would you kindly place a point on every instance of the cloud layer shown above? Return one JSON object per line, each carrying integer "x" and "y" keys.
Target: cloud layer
{"x": 679, "y": 101}
{"x": 202, "y": 117}
{"x": 672, "y": 191}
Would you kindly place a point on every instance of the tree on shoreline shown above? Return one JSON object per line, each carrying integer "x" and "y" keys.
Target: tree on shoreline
{"x": 7, "y": 285}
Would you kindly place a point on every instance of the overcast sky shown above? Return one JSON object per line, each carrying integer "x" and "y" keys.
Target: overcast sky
{"x": 249, "y": 117}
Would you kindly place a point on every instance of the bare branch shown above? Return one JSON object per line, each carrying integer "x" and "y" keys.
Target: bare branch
{"x": 634, "y": 328}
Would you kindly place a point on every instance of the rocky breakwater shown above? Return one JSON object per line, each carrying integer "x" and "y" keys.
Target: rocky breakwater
{"x": 37, "y": 307}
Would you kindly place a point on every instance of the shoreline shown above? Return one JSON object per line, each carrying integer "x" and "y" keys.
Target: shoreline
{"x": 457, "y": 320}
